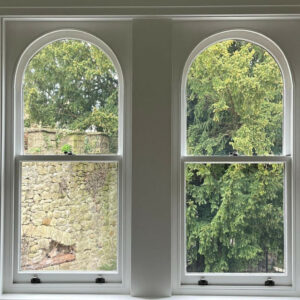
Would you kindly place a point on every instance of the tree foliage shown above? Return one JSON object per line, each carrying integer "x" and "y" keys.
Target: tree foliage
{"x": 234, "y": 213}
{"x": 71, "y": 84}
{"x": 234, "y": 96}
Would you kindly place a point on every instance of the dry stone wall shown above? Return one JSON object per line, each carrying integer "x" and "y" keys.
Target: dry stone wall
{"x": 69, "y": 216}
{"x": 51, "y": 141}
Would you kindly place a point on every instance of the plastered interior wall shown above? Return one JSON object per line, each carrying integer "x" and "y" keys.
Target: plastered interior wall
{"x": 159, "y": 51}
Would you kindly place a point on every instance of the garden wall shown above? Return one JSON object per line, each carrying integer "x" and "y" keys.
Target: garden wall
{"x": 69, "y": 214}
{"x": 50, "y": 141}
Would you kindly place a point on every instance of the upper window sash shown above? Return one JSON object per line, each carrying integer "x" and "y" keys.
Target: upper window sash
{"x": 31, "y": 51}
{"x": 279, "y": 57}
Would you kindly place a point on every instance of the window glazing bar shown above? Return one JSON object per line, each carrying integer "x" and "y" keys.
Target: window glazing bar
{"x": 99, "y": 157}
{"x": 236, "y": 159}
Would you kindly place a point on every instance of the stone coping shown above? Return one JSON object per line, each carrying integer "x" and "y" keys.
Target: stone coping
{"x": 67, "y": 131}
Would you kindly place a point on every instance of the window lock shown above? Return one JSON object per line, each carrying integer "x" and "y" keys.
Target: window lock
{"x": 35, "y": 279}
{"x": 100, "y": 279}
{"x": 68, "y": 153}
{"x": 269, "y": 282}
{"x": 202, "y": 282}
{"x": 234, "y": 153}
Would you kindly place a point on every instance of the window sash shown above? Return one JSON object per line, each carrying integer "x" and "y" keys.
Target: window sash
{"x": 186, "y": 283}
{"x": 17, "y": 143}
{"x": 111, "y": 277}
{"x": 107, "y": 39}
{"x": 34, "y": 48}
{"x": 279, "y": 57}
{"x": 238, "y": 279}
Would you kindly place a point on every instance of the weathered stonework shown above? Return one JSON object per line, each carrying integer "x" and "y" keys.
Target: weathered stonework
{"x": 51, "y": 141}
{"x": 69, "y": 216}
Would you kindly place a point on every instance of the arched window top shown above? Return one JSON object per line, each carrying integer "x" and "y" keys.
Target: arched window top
{"x": 214, "y": 72}
{"x": 53, "y": 36}
{"x": 70, "y": 85}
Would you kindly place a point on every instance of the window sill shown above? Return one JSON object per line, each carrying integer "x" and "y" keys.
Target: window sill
{"x": 128, "y": 297}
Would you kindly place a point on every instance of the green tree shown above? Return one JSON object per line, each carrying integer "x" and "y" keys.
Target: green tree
{"x": 234, "y": 213}
{"x": 67, "y": 84}
{"x": 234, "y": 96}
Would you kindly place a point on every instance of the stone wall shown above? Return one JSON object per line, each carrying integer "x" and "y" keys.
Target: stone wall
{"x": 51, "y": 141}
{"x": 69, "y": 216}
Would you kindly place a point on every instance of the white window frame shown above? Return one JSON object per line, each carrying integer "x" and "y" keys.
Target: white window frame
{"x": 16, "y": 281}
{"x": 184, "y": 282}
{"x": 152, "y": 42}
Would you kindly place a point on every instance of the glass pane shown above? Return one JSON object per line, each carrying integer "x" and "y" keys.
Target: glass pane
{"x": 234, "y": 95}
{"x": 234, "y": 218}
{"x": 70, "y": 93}
{"x": 69, "y": 216}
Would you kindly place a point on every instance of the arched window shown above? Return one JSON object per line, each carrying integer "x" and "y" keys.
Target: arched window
{"x": 69, "y": 154}
{"x": 236, "y": 152}
{"x": 70, "y": 94}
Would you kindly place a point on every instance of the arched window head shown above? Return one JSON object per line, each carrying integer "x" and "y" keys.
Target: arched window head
{"x": 234, "y": 98}
{"x": 70, "y": 92}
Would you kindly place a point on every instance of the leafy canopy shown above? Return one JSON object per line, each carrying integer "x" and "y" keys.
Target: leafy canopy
{"x": 234, "y": 213}
{"x": 71, "y": 84}
{"x": 234, "y": 101}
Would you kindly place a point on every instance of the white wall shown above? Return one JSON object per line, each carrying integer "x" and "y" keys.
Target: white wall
{"x": 154, "y": 41}
{"x": 151, "y": 158}
{"x": 148, "y": 7}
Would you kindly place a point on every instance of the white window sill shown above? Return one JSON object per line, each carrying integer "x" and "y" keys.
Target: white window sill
{"x": 128, "y": 297}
